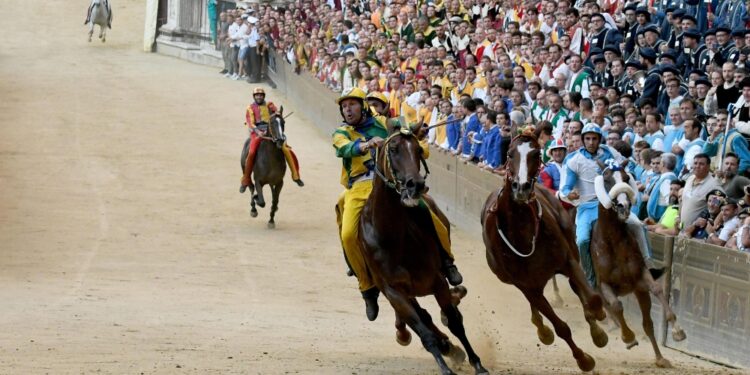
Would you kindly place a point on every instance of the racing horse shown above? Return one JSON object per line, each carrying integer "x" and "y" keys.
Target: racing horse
{"x": 270, "y": 165}
{"x": 402, "y": 249}
{"x": 618, "y": 261}
{"x": 522, "y": 217}
{"x": 99, "y": 13}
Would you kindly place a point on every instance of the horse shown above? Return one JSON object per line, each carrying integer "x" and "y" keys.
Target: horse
{"x": 525, "y": 215}
{"x": 99, "y": 13}
{"x": 402, "y": 249}
{"x": 270, "y": 165}
{"x": 618, "y": 261}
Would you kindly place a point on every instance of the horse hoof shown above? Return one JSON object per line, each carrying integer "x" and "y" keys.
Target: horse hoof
{"x": 586, "y": 362}
{"x": 546, "y": 336}
{"x": 630, "y": 345}
{"x": 599, "y": 337}
{"x": 271, "y": 225}
{"x": 403, "y": 337}
{"x": 260, "y": 202}
{"x": 456, "y": 355}
{"x": 480, "y": 370}
{"x": 444, "y": 318}
{"x": 663, "y": 363}
{"x": 678, "y": 334}
{"x": 254, "y": 213}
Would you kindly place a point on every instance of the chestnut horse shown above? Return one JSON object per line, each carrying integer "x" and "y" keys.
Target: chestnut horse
{"x": 618, "y": 261}
{"x": 530, "y": 238}
{"x": 403, "y": 252}
{"x": 269, "y": 167}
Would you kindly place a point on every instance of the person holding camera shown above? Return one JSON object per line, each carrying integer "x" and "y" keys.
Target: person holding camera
{"x": 702, "y": 226}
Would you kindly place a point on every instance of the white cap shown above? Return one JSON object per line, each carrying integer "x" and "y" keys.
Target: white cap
{"x": 252, "y": 20}
{"x": 244, "y": 16}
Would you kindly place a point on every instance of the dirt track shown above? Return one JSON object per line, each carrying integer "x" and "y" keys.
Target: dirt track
{"x": 125, "y": 247}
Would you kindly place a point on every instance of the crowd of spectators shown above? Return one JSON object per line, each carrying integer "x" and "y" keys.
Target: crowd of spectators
{"x": 666, "y": 80}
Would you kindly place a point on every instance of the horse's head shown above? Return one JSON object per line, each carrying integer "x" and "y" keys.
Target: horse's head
{"x": 522, "y": 167}
{"x": 613, "y": 188}
{"x": 399, "y": 159}
{"x": 276, "y": 128}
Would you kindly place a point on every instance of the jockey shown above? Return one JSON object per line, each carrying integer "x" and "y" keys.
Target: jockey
{"x": 260, "y": 112}
{"x": 580, "y": 170}
{"x": 551, "y": 174}
{"x": 360, "y": 133}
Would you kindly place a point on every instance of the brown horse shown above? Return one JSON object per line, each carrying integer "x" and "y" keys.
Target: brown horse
{"x": 403, "y": 252}
{"x": 618, "y": 261}
{"x": 529, "y": 238}
{"x": 270, "y": 165}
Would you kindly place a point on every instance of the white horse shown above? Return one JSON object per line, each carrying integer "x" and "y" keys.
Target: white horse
{"x": 100, "y": 13}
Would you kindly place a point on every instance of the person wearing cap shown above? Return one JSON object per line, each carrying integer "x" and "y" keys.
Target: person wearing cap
{"x": 651, "y": 33}
{"x": 706, "y": 57}
{"x": 653, "y": 79}
{"x": 602, "y": 35}
{"x": 726, "y": 52}
{"x": 643, "y": 18}
{"x": 725, "y": 224}
{"x": 581, "y": 169}
{"x": 671, "y": 29}
{"x": 740, "y": 110}
{"x": 702, "y": 86}
{"x": 615, "y": 74}
{"x": 257, "y": 113}
{"x": 552, "y": 172}
{"x": 688, "y": 22}
{"x": 691, "y": 51}
{"x": 627, "y": 84}
{"x": 698, "y": 228}
{"x": 601, "y": 74}
{"x": 358, "y": 135}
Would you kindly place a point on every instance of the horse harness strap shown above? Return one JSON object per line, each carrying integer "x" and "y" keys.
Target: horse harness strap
{"x": 396, "y": 183}
{"x": 533, "y": 239}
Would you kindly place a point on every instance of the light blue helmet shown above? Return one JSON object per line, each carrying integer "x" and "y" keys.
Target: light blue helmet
{"x": 592, "y": 128}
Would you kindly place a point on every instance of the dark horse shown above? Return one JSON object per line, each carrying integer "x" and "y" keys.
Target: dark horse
{"x": 270, "y": 165}
{"x": 618, "y": 261}
{"x": 523, "y": 217}
{"x": 402, "y": 250}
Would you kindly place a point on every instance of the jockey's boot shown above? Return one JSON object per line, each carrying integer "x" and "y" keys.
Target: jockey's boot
{"x": 371, "y": 303}
{"x": 451, "y": 272}
{"x": 299, "y": 182}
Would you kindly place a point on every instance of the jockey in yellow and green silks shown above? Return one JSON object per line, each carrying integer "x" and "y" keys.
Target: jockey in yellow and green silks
{"x": 362, "y": 131}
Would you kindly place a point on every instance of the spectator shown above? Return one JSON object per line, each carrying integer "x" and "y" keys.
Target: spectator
{"x": 696, "y": 188}
{"x": 658, "y": 200}
{"x": 669, "y": 223}
{"x": 698, "y": 229}
{"x": 725, "y": 224}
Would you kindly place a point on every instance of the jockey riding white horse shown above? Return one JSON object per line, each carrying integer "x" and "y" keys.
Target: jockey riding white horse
{"x": 100, "y": 13}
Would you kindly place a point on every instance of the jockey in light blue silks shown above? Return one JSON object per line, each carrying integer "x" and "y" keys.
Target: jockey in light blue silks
{"x": 581, "y": 169}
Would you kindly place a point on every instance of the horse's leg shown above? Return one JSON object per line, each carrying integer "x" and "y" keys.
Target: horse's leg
{"x": 91, "y": 30}
{"x": 614, "y": 306}
{"x": 103, "y": 33}
{"x": 644, "y": 301}
{"x": 275, "y": 191}
{"x": 259, "y": 199}
{"x": 253, "y": 210}
{"x": 537, "y": 300}
{"x": 542, "y": 331}
{"x": 455, "y": 323}
{"x": 403, "y": 336}
{"x": 557, "y": 301}
{"x": 409, "y": 315}
{"x": 590, "y": 301}
{"x": 444, "y": 344}
{"x": 656, "y": 289}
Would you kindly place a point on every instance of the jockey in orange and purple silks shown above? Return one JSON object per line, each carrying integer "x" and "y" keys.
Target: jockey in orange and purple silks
{"x": 256, "y": 113}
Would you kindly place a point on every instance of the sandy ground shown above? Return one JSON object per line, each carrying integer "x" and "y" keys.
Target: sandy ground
{"x": 125, "y": 247}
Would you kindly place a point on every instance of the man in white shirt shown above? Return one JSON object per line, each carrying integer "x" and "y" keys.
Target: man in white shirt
{"x": 253, "y": 58}
{"x": 234, "y": 45}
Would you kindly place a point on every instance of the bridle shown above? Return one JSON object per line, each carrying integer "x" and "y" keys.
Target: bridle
{"x": 270, "y": 129}
{"x": 393, "y": 181}
{"x": 532, "y": 207}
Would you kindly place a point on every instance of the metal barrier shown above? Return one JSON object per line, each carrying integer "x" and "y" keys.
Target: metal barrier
{"x": 708, "y": 286}
{"x": 711, "y": 293}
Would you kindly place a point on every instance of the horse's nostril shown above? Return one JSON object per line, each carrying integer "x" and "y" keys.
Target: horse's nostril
{"x": 526, "y": 186}
{"x": 514, "y": 185}
{"x": 410, "y": 184}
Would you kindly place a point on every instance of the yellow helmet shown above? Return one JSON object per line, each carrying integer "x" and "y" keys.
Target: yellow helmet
{"x": 377, "y": 95}
{"x": 352, "y": 93}
{"x": 259, "y": 90}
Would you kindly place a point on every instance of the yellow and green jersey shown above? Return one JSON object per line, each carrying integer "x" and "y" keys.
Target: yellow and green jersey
{"x": 346, "y": 141}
